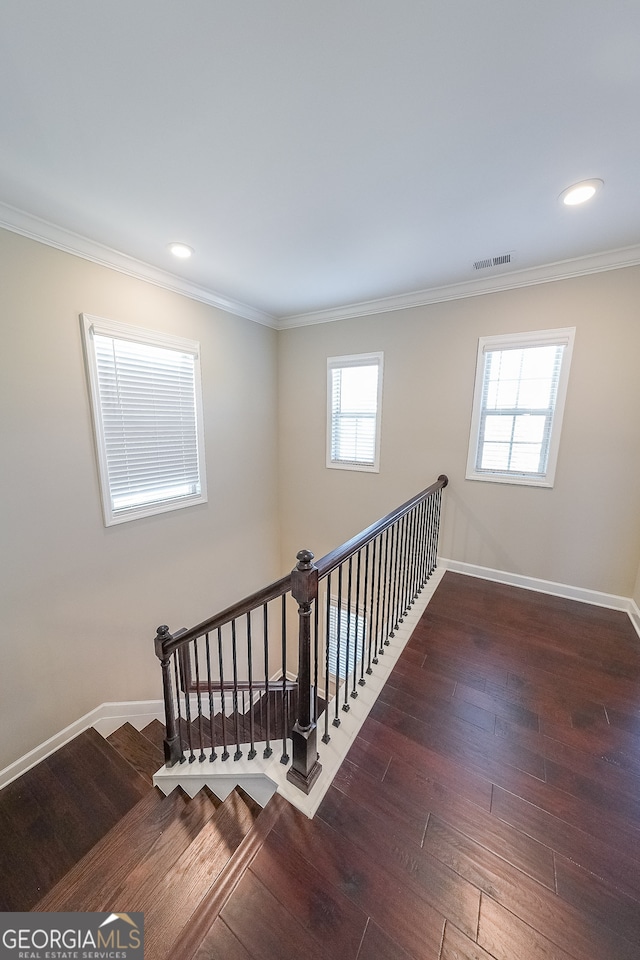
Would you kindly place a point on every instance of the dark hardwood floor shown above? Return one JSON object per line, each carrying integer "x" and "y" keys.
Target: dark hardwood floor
{"x": 490, "y": 807}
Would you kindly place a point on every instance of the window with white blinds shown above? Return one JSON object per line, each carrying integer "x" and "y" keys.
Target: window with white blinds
{"x": 521, "y": 384}
{"x": 354, "y": 396}
{"x": 147, "y": 414}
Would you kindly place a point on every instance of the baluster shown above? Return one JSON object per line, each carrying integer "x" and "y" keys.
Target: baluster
{"x": 357, "y": 641}
{"x": 385, "y": 590}
{"x": 365, "y": 620}
{"x": 285, "y": 756}
{"x": 212, "y": 728}
{"x": 393, "y": 579}
{"x": 252, "y": 732}
{"x": 265, "y": 631}
{"x": 326, "y": 736}
{"x": 336, "y": 699}
{"x": 199, "y": 700}
{"x": 345, "y": 705}
{"x": 178, "y": 701}
{"x": 223, "y": 702}
{"x": 378, "y": 581}
{"x": 236, "y": 706}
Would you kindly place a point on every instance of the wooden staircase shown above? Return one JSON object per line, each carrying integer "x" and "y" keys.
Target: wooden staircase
{"x": 86, "y": 830}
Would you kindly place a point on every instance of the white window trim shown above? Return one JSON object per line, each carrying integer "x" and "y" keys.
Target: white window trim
{"x": 564, "y": 336}
{"x": 91, "y": 325}
{"x": 355, "y": 360}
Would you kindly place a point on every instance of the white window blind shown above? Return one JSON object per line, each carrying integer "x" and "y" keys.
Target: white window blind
{"x": 520, "y": 388}
{"x": 145, "y": 391}
{"x": 354, "y": 391}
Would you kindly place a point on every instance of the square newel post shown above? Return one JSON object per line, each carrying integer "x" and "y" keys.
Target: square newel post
{"x": 172, "y": 745}
{"x": 305, "y": 768}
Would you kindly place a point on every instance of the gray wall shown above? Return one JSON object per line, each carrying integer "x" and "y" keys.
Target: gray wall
{"x": 80, "y": 602}
{"x": 585, "y": 532}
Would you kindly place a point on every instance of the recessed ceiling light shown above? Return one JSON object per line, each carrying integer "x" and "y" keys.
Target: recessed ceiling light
{"x": 580, "y": 192}
{"x": 180, "y": 250}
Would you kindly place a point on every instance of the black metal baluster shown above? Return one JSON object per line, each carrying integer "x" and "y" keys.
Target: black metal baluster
{"x": 394, "y": 576}
{"x": 252, "y": 731}
{"x": 236, "y": 707}
{"x": 285, "y": 730}
{"x": 345, "y": 705}
{"x": 265, "y": 630}
{"x": 179, "y": 710}
{"x": 223, "y": 704}
{"x": 326, "y": 736}
{"x": 385, "y": 590}
{"x": 358, "y": 637}
{"x": 315, "y": 658}
{"x": 336, "y": 719}
{"x": 199, "y": 700}
{"x": 212, "y": 726}
{"x": 187, "y": 710}
{"x": 365, "y": 618}
{"x": 378, "y": 580}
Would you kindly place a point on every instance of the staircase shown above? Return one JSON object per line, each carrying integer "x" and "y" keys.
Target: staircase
{"x": 87, "y": 831}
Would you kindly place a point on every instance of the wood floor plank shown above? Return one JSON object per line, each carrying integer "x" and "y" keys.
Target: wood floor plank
{"x": 222, "y": 944}
{"x": 456, "y": 946}
{"x": 576, "y": 931}
{"x": 426, "y": 876}
{"x": 377, "y": 945}
{"x": 264, "y": 927}
{"x": 506, "y": 937}
{"x": 570, "y": 839}
{"x": 408, "y": 919}
{"x": 333, "y": 920}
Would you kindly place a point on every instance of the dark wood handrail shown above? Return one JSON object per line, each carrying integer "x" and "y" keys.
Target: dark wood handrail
{"x": 179, "y": 639}
{"x": 331, "y": 561}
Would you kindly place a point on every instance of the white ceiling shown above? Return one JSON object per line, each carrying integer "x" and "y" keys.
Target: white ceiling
{"x": 321, "y": 154}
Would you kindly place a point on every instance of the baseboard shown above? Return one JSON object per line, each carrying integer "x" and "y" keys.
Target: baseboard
{"x": 582, "y": 594}
{"x": 105, "y": 719}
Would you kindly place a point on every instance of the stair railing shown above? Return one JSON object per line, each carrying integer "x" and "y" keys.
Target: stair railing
{"x": 253, "y": 676}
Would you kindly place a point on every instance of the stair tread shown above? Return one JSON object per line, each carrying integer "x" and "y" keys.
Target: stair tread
{"x": 182, "y": 889}
{"x": 53, "y": 814}
{"x": 202, "y": 931}
{"x": 118, "y": 852}
{"x": 138, "y": 750}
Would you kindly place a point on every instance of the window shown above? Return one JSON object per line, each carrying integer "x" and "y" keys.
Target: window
{"x": 354, "y": 395}
{"x": 147, "y": 416}
{"x": 521, "y": 383}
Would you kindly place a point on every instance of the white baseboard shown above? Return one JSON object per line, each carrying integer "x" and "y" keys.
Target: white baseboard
{"x": 105, "y": 719}
{"x": 581, "y": 594}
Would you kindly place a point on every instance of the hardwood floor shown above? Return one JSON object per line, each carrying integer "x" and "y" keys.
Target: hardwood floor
{"x": 490, "y": 807}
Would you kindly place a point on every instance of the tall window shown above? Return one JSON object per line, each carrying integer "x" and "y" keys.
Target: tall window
{"x": 147, "y": 416}
{"x": 521, "y": 383}
{"x": 354, "y": 395}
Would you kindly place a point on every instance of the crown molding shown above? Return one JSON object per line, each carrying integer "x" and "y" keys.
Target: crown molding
{"x": 27, "y": 225}
{"x": 43, "y": 231}
{"x": 560, "y": 270}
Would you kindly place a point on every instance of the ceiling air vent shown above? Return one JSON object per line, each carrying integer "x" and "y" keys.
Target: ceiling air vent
{"x": 500, "y": 261}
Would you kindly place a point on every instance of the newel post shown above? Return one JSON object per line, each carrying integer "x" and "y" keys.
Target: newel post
{"x": 305, "y": 767}
{"x": 172, "y": 745}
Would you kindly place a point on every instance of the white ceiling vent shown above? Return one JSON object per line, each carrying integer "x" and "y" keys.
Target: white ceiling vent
{"x": 499, "y": 261}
